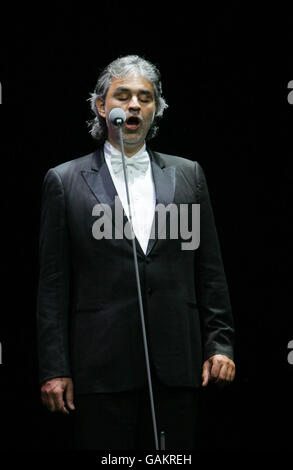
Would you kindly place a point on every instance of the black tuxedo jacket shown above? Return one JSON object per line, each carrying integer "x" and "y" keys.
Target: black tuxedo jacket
{"x": 88, "y": 320}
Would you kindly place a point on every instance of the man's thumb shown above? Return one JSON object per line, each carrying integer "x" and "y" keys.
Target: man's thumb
{"x": 69, "y": 396}
{"x": 206, "y": 373}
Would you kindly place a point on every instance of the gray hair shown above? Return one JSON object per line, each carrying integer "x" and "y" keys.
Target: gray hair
{"x": 122, "y": 67}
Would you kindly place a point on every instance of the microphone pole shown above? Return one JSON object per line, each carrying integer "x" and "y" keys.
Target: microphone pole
{"x": 118, "y": 117}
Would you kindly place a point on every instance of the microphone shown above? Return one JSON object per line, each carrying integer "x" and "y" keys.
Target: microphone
{"x": 117, "y": 116}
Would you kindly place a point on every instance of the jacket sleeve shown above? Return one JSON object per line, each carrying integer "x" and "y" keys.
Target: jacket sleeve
{"x": 53, "y": 286}
{"x": 211, "y": 284}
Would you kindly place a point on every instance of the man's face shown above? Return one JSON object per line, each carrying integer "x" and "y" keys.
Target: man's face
{"x": 135, "y": 95}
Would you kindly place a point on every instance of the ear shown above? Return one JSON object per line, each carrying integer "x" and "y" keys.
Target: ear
{"x": 100, "y": 104}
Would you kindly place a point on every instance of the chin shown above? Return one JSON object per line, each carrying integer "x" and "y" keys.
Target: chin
{"x": 132, "y": 140}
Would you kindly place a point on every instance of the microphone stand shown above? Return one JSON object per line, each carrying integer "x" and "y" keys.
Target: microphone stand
{"x": 119, "y": 123}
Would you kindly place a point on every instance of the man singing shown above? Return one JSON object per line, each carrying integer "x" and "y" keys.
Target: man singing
{"x": 91, "y": 352}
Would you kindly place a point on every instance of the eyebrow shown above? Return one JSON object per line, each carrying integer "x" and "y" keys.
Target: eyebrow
{"x": 127, "y": 90}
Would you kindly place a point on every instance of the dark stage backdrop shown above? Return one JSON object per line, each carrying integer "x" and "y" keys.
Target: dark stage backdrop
{"x": 225, "y": 76}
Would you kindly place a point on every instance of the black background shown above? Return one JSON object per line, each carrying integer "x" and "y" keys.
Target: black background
{"x": 225, "y": 74}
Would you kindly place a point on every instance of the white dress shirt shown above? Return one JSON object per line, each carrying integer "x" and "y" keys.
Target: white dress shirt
{"x": 141, "y": 192}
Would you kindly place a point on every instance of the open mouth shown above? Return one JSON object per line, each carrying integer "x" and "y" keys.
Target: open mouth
{"x": 132, "y": 123}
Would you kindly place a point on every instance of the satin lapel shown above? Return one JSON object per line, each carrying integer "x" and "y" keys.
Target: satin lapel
{"x": 100, "y": 183}
{"x": 165, "y": 182}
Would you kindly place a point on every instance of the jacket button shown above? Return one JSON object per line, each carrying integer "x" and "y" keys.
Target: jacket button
{"x": 147, "y": 260}
{"x": 149, "y": 291}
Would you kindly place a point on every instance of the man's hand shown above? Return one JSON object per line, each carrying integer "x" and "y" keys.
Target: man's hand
{"x": 219, "y": 369}
{"x": 57, "y": 394}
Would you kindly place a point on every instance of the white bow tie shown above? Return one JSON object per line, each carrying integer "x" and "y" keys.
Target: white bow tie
{"x": 139, "y": 162}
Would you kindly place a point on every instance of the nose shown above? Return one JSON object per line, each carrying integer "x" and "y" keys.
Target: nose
{"x": 134, "y": 104}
